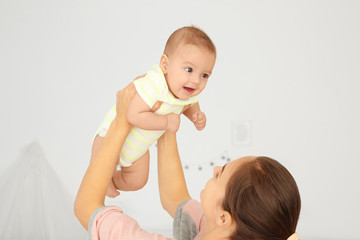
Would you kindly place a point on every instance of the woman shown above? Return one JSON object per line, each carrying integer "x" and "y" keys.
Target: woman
{"x": 248, "y": 198}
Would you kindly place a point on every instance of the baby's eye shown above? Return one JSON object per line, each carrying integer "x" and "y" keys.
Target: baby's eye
{"x": 188, "y": 70}
{"x": 205, "y": 76}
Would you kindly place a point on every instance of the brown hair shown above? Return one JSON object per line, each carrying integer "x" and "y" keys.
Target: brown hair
{"x": 188, "y": 35}
{"x": 263, "y": 199}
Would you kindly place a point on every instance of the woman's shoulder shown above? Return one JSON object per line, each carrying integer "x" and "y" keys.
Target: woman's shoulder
{"x": 188, "y": 220}
{"x": 192, "y": 208}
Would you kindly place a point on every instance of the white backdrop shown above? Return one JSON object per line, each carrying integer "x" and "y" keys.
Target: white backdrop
{"x": 289, "y": 69}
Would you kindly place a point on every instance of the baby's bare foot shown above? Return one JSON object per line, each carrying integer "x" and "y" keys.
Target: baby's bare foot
{"x": 111, "y": 191}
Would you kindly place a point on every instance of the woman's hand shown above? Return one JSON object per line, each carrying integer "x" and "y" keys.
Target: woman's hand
{"x": 123, "y": 99}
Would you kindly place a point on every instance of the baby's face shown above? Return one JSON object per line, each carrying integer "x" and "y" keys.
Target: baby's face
{"x": 188, "y": 71}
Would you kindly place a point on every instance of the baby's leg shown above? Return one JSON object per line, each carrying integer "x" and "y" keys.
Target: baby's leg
{"x": 134, "y": 177}
{"x": 111, "y": 192}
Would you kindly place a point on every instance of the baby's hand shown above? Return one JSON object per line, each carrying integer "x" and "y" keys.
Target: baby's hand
{"x": 199, "y": 120}
{"x": 173, "y": 122}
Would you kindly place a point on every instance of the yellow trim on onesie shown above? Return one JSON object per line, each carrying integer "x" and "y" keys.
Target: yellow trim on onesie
{"x": 132, "y": 145}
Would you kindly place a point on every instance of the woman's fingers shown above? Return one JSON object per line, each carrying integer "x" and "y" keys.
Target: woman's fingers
{"x": 156, "y": 106}
{"x": 123, "y": 98}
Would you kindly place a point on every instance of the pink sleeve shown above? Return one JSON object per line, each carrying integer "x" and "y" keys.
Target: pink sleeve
{"x": 194, "y": 210}
{"x": 111, "y": 223}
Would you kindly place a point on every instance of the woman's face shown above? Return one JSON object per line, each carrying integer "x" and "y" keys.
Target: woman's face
{"x": 213, "y": 193}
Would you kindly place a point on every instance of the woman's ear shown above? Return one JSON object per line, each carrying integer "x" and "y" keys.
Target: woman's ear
{"x": 224, "y": 219}
{"x": 164, "y": 63}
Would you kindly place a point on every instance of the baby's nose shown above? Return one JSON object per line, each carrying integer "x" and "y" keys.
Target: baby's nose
{"x": 195, "y": 79}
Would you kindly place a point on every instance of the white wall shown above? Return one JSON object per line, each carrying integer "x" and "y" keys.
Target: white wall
{"x": 289, "y": 68}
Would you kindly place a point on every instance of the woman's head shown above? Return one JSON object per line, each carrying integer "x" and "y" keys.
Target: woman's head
{"x": 258, "y": 194}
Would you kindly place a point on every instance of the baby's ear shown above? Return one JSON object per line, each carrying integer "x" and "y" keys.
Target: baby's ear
{"x": 164, "y": 63}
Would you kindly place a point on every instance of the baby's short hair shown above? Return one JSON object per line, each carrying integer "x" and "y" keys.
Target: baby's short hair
{"x": 188, "y": 35}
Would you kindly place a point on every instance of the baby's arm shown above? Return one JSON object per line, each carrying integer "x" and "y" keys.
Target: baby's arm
{"x": 139, "y": 114}
{"x": 196, "y": 116}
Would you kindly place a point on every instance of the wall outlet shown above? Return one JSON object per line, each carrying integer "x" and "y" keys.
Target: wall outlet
{"x": 241, "y": 133}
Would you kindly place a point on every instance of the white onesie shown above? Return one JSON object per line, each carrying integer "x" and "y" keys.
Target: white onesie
{"x": 151, "y": 88}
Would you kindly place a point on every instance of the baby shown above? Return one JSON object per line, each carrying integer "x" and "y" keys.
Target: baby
{"x": 181, "y": 75}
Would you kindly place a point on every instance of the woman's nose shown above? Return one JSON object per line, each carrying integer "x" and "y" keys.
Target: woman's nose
{"x": 216, "y": 169}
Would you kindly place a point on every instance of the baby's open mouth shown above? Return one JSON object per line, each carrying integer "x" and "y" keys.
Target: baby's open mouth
{"x": 189, "y": 90}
